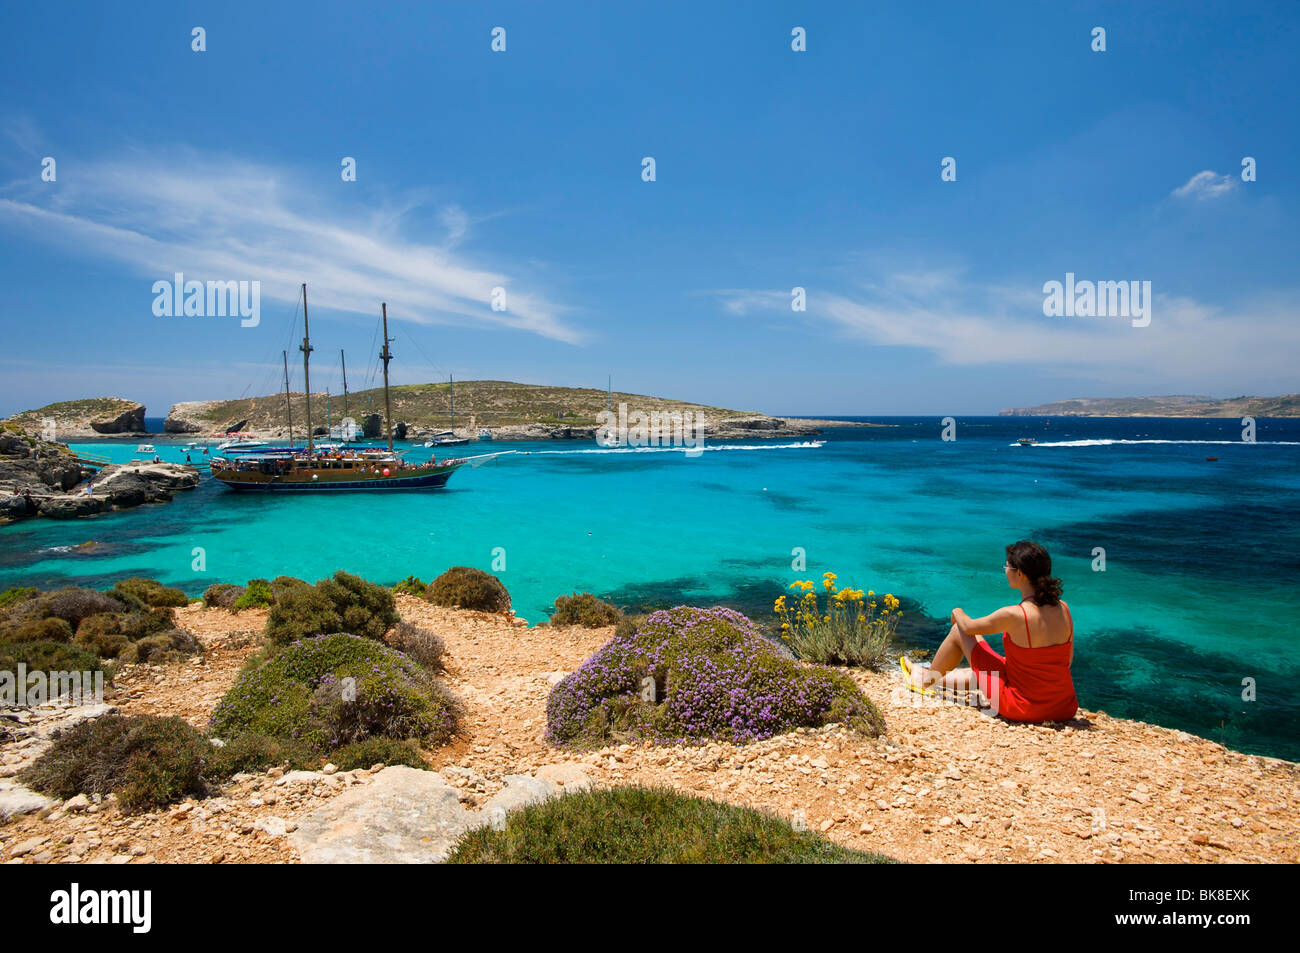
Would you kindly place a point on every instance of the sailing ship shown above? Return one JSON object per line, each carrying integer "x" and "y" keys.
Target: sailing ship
{"x": 448, "y": 438}
{"x": 322, "y": 468}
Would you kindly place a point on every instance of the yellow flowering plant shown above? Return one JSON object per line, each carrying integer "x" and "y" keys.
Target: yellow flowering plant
{"x": 851, "y": 629}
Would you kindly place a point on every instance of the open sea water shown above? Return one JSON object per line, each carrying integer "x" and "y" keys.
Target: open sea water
{"x": 1196, "y": 604}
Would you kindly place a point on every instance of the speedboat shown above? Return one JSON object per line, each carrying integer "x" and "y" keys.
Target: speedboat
{"x": 1026, "y": 441}
{"x": 484, "y": 434}
{"x": 445, "y": 438}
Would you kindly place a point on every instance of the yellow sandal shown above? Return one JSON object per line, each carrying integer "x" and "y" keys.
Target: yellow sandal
{"x": 905, "y": 664}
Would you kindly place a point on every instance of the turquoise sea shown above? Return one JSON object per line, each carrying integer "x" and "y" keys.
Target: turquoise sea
{"x": 1198, "y": 594}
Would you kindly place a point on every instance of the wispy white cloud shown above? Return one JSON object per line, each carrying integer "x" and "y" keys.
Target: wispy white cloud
{"x": 1205, "y": 185}
{"x": 226, "y": 219}
{"x": 966, "y": 323}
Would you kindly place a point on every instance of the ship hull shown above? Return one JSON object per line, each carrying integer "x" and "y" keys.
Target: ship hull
{"x": 333, "y": 482}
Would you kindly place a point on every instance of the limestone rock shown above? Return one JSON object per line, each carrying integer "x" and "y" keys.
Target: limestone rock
{"x": 403, "y": 816}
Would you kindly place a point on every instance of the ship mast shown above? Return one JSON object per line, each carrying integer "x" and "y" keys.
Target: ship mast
{"x": 386, "y": 355}
{"x": 288, "y": 408}
{"x": 451, "y": 379}
{"x": 306, "y": 349}
{"x": 345, "y": 383}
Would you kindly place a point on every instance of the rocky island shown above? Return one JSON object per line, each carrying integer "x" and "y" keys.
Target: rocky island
{"x": 81, "y": 419}
{"x": 1287, "y": 405}
{"x": 509, "y": 410}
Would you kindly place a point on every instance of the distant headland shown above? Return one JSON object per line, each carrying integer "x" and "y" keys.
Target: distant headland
{"x": 1287, "y": 405}
{"x": 509, "y": 410}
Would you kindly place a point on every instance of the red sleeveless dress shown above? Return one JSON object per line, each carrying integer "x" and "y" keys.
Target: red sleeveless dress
{"x": 1029, "y": 684}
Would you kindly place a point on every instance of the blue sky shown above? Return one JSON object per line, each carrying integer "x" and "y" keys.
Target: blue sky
{"x": 775, "y": 169}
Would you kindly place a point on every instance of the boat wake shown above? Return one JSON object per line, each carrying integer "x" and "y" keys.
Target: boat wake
{"x": 805, "y": 445}
{"x": 1107, "y": 442}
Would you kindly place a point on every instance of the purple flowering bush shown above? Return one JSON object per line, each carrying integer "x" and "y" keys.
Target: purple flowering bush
{"x": 714, "y": 677}
{"x": 323, "y": 693}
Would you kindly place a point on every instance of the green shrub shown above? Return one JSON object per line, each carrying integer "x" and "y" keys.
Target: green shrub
{"x": 282, "y": 585}
{"x": 714, "y": 677}
{"x": 256, "y": 596}
{"x": 253, "y": 753}
{"x": 330, "y": 691}
{"x": 49, "y": 629}
{"x": 145, "y": 760}
{"x": 141, "y": 623}
{"x": 151, "y": 592}
{"x": 47, "y": 657}
{"x": 462, "y": 587}
{"x": 17, "y": 594}
{"x": 342, "y": 603}
{"x": 411, "y": 586}
{"x": 161, "y": 648}
{"x": 372, "y": 751}
{"x": 586, "y": 610}
{"x": 71, "y": 604}
{"x": 222, "y": 595}
{"x": 423, "y": 645}
{"x": 647, "y": 825}
{"x": 102, "y": 634}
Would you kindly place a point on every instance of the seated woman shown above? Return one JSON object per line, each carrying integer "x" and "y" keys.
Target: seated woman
{"x": 1032, "y": 683}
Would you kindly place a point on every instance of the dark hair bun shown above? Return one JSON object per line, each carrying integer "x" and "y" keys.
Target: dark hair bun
{"x": 1047, "y": 590}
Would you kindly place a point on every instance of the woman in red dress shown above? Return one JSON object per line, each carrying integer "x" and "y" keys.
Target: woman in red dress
{"x": 1032, "y": 682}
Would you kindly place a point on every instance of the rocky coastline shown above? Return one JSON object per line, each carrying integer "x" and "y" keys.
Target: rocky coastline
{"x": 43, "y": 479}
{"x": 945, "y": 784}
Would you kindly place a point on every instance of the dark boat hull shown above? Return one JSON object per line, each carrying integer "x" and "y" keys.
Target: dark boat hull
{"x": 433, "y": 480}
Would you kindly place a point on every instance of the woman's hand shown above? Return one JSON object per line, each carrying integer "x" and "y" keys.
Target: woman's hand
{"x": 952, "y": 616}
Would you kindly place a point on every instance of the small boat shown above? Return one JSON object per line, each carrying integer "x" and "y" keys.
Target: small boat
{"x": 145, "y": 448}
{"x": 445, "y": 438}
{"x": 241, "y": 443}
{"x": 1026, "y": 441}
{"x": 1211, "y": 459}
{"x": 484, "y": 434}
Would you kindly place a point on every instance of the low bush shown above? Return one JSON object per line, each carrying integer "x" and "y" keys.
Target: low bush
{"x": 410, "y": 586}
{"x": 586, "y": 610}
{"x": 341, "y": 603}
{"x": 47, "y": 657}
{"x": 17, "y": 594}
{"x": 688, "y": 675}
{"x": 71, "y": 604}
{"x": 462, "y": 587}
{"x": 222, "y": 595}
{"x": 253, "y": 753}
{"x": 282, "y": 585}
{"x": 648, "y": 825}
{"x": 151, "y": 593}
{"x": 49, "y": 629}
{"x": 423, "y": 645}
{"x": 258, "y": 595}
{"x": 372, "y": 751}
{"x": 145, "y": 760}
{"x": 161, "y": 648}
{"x": 102, "y": 634}
{"x": 330, "y": 691}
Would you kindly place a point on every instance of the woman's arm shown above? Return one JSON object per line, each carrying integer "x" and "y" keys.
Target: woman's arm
{"x": 999, "y": 621}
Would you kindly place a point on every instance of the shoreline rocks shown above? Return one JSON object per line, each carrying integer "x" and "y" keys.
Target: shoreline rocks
{"x": 45, "y": 479}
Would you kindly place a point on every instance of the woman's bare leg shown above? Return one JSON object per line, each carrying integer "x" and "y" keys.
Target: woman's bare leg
{"x": 956, "y": 645}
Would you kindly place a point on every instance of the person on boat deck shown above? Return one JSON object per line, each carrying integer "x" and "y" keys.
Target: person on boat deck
{"x": 1032, "y": 681}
